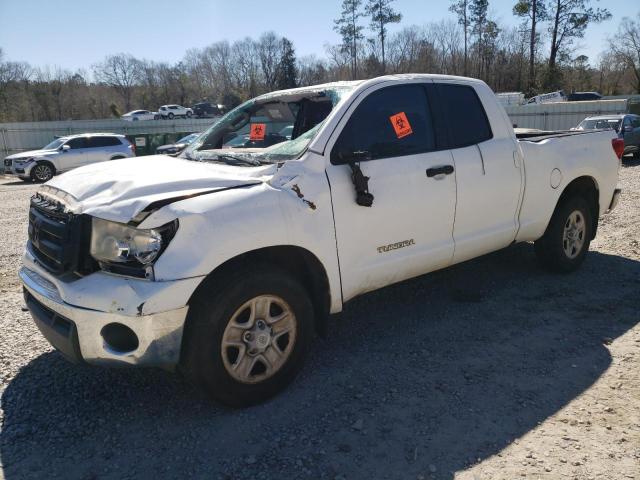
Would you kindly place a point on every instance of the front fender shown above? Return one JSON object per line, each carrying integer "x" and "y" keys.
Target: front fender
{"x": 220, "y": 226}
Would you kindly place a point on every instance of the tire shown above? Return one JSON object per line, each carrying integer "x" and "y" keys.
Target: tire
{"x": 42, "y": 172}
{"x": 189, "y": 114}
{"x": 170, "y": 116}
{"x": 565, "y": 243}
{"x": 220, "y": 317}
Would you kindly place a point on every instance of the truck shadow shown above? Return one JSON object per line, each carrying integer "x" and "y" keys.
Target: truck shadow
{"x": 424, "y": 377}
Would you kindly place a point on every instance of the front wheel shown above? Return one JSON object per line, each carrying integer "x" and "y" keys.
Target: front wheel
{"x": 565, "y": 243}
{"x": 189, "y": 114}
{"x": 246, "y": 337}
{"x": 170, "y": 116}
{"x": 42, "y": 172}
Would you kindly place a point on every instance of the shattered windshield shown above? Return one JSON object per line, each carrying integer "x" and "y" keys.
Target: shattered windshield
{"x": 272, "y": 128}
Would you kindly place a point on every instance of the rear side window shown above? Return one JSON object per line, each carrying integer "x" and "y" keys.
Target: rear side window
{"x": 95, "y": 142}
{"x": 390, "y": 122}
{"x": 468, "y": 122}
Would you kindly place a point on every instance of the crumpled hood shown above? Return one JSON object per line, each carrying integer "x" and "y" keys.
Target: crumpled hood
{"x": 30, "y": 153}
{"x": 119, "y": 190}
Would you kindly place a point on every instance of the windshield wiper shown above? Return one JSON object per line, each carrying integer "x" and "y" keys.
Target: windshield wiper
{"x": 235, "y": 160}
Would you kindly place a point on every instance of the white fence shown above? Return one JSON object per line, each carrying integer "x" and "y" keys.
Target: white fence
{"x": 562, "y": 115}
{"x": 18, "y": 137}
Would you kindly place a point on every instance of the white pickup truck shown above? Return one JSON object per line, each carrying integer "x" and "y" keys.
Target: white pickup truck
{"x": 223, "y": 262}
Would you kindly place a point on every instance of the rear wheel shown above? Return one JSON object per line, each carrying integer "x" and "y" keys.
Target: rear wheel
{"x": 42, "y": 172}
{"x": 246, "y": 336}
{"x": 565, "y": 243}
{"x": 189, "y": 114}
{"x": 170, "y": 116}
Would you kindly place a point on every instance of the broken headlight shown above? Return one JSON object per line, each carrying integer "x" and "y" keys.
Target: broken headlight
{"x": 127, "y": 250}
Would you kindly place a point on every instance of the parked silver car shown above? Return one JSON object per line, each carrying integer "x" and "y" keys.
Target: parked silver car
{"x": 627, "y": 127}
{"x": 67, "y": 153}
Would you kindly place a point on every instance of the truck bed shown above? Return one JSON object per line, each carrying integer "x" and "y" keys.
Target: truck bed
{"x": 533, "y": 135}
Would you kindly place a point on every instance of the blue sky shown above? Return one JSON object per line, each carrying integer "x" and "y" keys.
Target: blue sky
{"x": 77, "y": 33}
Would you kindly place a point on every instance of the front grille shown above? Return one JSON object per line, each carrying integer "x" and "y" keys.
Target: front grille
{"x": 7, "y": 162}
{"x": 58, "y": 239}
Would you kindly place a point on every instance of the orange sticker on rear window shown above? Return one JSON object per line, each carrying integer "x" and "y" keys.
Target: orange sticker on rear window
{"x": 257, "y": 131}
{"x": 401, "y": 124}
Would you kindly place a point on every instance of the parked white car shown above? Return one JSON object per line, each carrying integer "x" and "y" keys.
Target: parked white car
{"x": 223, "y": 262}
{"x": 171, "y": 111}
{"x": 67, "y": 153}
{"x": 553, "y": 97}
{"x": 136, "y": 115}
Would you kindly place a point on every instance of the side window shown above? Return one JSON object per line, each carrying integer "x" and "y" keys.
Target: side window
{"x": 390, "y": 122}
{"x": 468, "y": 122}
{"x": 635, "y": 122}
{"x": 97, "y": 142}
{"x": 75, "y": 143}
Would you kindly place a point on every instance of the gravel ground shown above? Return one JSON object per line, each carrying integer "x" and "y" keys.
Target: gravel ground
{"x": 492, "y": 369}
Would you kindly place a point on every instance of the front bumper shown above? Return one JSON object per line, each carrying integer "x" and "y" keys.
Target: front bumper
{"x": 22, "y": 171}
{"x": 79, "y": 333}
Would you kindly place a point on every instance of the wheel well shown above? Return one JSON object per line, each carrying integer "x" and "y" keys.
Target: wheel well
{"x": 118, "y": 157}
{"x": 587, "y": 188}
{"x": 299, "y": 262}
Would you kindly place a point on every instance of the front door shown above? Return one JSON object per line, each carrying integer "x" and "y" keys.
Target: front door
{"x": 408, "y": 230}
{"x": 76, "y": 154}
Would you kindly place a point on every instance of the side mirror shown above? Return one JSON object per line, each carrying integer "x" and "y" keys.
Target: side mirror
{"x": 65, "y": 147}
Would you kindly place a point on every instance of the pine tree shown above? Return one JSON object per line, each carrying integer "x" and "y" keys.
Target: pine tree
{"x": 461, "y": 9}
{"x": 537, "y": 12}
{"x": 287, "y": 72}
{"x": 381, "y": 14}
{"x": 351, "y": 33}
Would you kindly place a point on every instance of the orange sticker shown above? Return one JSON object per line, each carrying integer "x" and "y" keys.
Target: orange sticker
{"x": 401, "y": 125}
{"x": 257, "y": 131}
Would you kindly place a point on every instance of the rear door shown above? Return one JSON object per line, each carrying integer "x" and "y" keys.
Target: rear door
{"x": 489, "y": 172}
{"x": 408, "y": 229}
{"x": 101, "y": 148}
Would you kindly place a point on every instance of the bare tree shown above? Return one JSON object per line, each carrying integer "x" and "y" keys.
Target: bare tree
{"x": 269, "y": 54}
{"x": 626, "y": 46}
{"x": 122, "y": 72}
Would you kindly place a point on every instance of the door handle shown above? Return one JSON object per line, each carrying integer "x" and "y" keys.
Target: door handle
{"x": 444, "y": 170}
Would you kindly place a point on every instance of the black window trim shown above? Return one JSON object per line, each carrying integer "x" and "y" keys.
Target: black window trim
{"x": 449, "y": 122}
{"x": 334, "y": 161}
